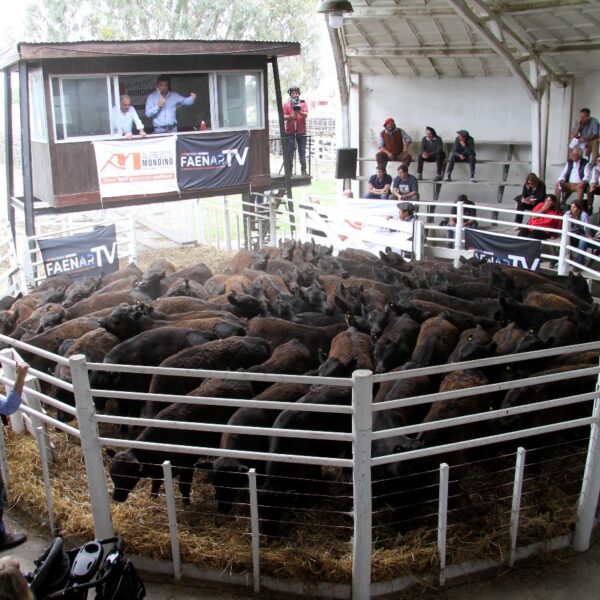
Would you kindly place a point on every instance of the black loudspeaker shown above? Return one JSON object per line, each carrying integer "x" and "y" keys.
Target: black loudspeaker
{"x": 345, "y": 166}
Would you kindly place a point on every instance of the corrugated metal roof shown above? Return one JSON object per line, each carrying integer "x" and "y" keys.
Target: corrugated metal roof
{"x": 467, "y": 38}
{"x": 96, "y": 48}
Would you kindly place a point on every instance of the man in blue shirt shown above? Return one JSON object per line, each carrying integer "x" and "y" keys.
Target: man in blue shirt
{"x": 161, "y": 106}
{"x": 379, "y": 185}
{"x": 9, "y": 405}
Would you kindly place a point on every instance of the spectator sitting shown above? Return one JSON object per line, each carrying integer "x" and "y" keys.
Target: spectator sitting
{"x": 593, "y": 234}
{"x": 379, "y": 184}
{"x": 545, "y": 213}
{"x": 405, "y": 186}
{"x": 469, "y": 215}
{"x": 393, "y": 144}
{"x": 432, "y": 150}
{"x": 572, "y": 178}
{"x": 592, "y": 171}
{"x": 577, "y": 212}
{"x": 585, "y": 134}
{"x": 13, "y": 585}
{"x": 534, "y": 192}
{"x": 463, "y": 150}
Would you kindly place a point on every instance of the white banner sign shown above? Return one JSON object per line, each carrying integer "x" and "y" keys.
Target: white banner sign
{"x": 134, "y": 168}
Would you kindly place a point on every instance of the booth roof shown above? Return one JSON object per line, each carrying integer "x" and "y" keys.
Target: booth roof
{"x": 25, "y": 51}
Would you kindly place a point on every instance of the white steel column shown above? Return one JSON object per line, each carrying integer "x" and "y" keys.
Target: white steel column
{"x": 92, "y": 450}
{"x": 590, "y": 488}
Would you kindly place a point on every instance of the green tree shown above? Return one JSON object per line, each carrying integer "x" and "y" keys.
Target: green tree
{"x": 285, "y": 20}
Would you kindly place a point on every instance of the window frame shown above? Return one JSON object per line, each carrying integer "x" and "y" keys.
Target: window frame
{"x": 112, "y": 89}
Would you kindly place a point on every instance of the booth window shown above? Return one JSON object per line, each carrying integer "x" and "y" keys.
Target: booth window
{"x": 239, "y": 98}
{"x": 37, "y": 107}
{"x": 85, "y": 107}
{"x": 81, "y": 107}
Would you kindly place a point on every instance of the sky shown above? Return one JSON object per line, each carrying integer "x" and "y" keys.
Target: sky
{"x": 13, "y": 20}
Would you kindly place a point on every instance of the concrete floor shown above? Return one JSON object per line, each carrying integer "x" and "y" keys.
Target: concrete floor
{"x": 563, "y": 576}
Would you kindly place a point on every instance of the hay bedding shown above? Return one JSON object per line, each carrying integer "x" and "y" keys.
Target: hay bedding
{"x": 312, "y": 550}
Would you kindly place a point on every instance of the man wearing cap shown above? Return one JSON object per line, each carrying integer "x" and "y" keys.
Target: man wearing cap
{"x": 463, "y": 150}
{"x": 393, "y": 144}
{"x": 407, "y": 211}
{"x": 405, "y": 186}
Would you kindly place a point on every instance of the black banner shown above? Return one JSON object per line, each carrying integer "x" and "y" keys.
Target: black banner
{"x": 524, "y": 253}
{"x": 83, "y": 254}
{"x": 205, "y": 163}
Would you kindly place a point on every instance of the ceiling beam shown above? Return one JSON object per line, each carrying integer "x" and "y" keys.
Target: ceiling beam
{"x": 426, "y": 51}
{"x": 524, "y": 45}
{"x": 474, "y": 21}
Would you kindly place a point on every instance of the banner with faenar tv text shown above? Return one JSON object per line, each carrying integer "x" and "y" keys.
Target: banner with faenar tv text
{"x": 524, "y": 253}
{"x": 93, "y": 253}
{"x": 207, "y": 163}
{"x": 136, "y": 167}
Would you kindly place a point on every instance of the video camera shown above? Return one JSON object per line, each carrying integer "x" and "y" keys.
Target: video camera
{"x": 295, "y": 102}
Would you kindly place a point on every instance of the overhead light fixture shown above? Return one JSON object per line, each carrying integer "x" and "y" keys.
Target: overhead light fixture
{"x": 335, "y": 9}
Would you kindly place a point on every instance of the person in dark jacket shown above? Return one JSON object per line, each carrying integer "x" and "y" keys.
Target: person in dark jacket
{"x": 534, "y": 192}
{"x": 9, "y": 405}
{"x": 432, "y": 150}
{"x": 463, "y": 150}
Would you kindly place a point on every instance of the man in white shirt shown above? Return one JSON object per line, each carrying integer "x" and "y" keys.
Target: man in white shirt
{"x": 572, "y": 178}
{"x": 125, "y": 117}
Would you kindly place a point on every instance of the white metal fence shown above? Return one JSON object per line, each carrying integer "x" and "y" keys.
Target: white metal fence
{"x": 374, "y": 450}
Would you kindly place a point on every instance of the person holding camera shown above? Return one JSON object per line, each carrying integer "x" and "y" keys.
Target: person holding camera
{"x": 295, "y": 113}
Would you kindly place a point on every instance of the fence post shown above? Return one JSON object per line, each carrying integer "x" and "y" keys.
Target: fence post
{"x": 92, "y": 450}
{"x": 458, "y": 234}
{"x": 254, "y": 526}
{"x": 362, "y": 395}
{"x": 40, "y": 436}
{"x": 590, "y": 488}
{"x": 226, "y": 224}
{"x": 132, "y": 239}
{"x": 172, "y": 515}
{"x": 272, "y": 223}
{"x": 443, "y": 519}
{"x": 516, "y": 504}
{"x": 563, "y": 269}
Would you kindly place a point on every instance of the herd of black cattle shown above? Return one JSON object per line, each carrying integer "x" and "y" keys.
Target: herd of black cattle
{"x": 298, "y": 309}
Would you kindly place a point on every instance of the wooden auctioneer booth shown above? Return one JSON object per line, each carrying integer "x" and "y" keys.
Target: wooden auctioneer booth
{"x": 69, "y": 94}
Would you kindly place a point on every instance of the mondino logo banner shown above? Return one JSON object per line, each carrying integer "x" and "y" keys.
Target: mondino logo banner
{"x": 80, "y": 255}
{"x": 136, "y": 167}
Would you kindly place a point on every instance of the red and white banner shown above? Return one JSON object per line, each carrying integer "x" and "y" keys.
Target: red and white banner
{"x": 136, "y": 167}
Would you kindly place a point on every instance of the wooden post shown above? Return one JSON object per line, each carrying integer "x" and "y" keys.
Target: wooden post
{"x": 26, "y": 148}
{"x": 8, "y": 150}
{"x": 172, "y": 517}
{"x": 286, "y": 170}
{"x": 443, "y": 519}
